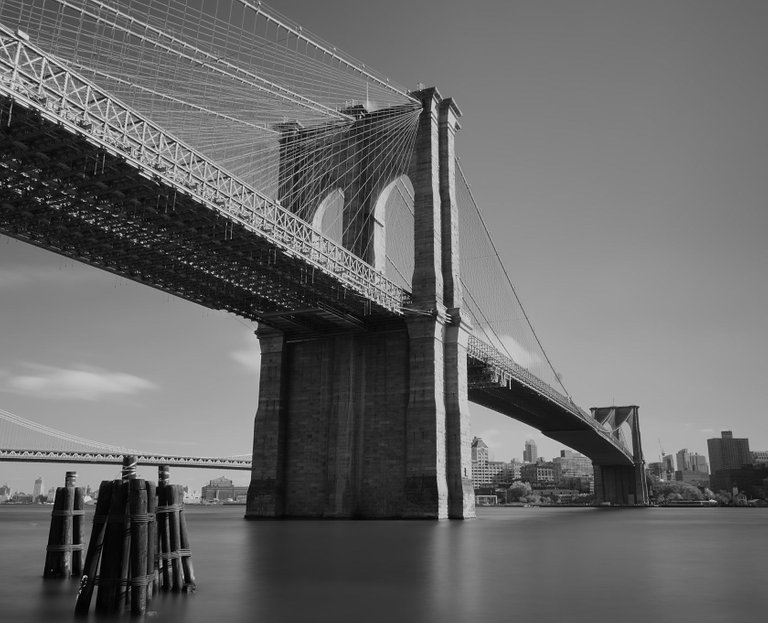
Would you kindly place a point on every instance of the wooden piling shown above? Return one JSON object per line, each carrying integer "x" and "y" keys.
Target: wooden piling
{"x": 185, "y": 551}
{"x": 95, "y": 544}
{"x": 78, "y": 515}
{"x": 139, "y": 520}
{"x": 175, "y": 537}
{"x": 152, "y": 540}
{"x": 60, "y": 561}
{"x": 110, "y": 575}
{"x": 164, "y": 536}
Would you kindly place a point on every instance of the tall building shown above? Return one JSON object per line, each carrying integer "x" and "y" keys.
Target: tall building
{"x": 700, "y": 463}
{"x": 728, "y": 452}
{"x": 483, "y": 469}
{"x": 683, "y": 460}
{"x": 668, "y": 467}
{"x": 691, "y": 462}
{"x": 530, "y": 454}
{"x": 38, "y": 490}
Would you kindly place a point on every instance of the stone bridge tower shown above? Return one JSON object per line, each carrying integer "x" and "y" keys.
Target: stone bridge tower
{"x": 371, "y": 420}
{"x": 621, "y": 484}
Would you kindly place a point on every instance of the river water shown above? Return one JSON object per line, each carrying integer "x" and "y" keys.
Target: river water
{"x": 511, "y": 564}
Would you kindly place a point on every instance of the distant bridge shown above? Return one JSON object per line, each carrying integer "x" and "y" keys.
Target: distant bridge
{"x": 25, "y": 441}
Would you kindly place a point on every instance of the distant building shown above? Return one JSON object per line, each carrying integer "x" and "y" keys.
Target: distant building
{"x": 751, "y": 480}
{"x": 657, "y": 469}
{"x": 728, "y": 452}
{"x": 571, "y": 463}
{"x": 759, "y": 457}
{"x": 538, "y": 473}
{"x": 530, "y": 453}
{"x": 38, "y": 490}
{"x": 691, "y": 462}
{"x": 573, "y": 470}
{"x": 692, "y": 477}
{"x": 668, "y": 467}
{"x": 484, "y": 470}
{"x": 222, "y": 489}
{"x": 5, "y": 493}
{"x": 509, "y": 472}
{"x": 486, "y": 500}
{"x": 700, "y": 463}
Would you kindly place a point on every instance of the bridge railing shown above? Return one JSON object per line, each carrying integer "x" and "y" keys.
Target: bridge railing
{"x": 30, "y": 76}
{"x": 503, "y": 370}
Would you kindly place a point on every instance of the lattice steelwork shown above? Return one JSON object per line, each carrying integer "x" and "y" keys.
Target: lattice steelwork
{"x": 144, "y": 159}
{"x": 226, "y": 77}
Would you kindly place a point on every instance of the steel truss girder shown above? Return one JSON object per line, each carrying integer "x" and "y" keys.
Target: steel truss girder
{"x": 487, "y": 367}
{"x": 148, "y": 232}
{"x": 35, "y": 80}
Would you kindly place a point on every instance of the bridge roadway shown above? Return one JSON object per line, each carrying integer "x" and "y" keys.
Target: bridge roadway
{"x": 85, "y": 177}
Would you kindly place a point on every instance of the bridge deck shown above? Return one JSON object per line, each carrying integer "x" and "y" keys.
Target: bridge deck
{"x": 60, "y": 192}
{"x": 86, "y": 176}
{"x": 532, "y": 408}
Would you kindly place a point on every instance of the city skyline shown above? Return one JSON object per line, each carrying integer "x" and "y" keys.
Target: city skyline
{"x": 617, "y": 153}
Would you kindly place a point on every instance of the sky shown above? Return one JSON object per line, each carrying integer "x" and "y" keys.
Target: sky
{"x": 619, "y": 154}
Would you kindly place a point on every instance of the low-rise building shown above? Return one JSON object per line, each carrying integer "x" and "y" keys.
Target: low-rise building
{"x": 223, "y": 490}
{"x": 759, "y": 457}
{"x": 538, "y": 473}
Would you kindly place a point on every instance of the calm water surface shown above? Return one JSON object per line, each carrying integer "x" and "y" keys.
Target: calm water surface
{"x": 511, "y": 564}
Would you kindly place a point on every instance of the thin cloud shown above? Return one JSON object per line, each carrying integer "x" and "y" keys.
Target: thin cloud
{"x": 520, "y": 355}
{"x": 250, "y": 357}
{"x": 24, "y": 275}
{"x": 77, "y": 383}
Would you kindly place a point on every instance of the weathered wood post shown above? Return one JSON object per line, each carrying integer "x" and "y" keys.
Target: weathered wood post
{"x": 185, "y": 551}
{"x": 152, "y": 540}
{"x": 113, "y": 576}
{"x": 95, "y": 544}
{"x": 164, "y": 534}
{"x": 63, "y": 556}
{"x": 177, "y": 573}
{"x": 139, "y": 520}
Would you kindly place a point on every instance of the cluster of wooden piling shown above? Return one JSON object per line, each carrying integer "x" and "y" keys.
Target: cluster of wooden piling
{"x": 176, "y": 572}
{"x": 139, "y": 543}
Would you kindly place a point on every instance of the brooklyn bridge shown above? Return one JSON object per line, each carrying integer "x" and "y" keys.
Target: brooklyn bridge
{"x": 225, "y": 156}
